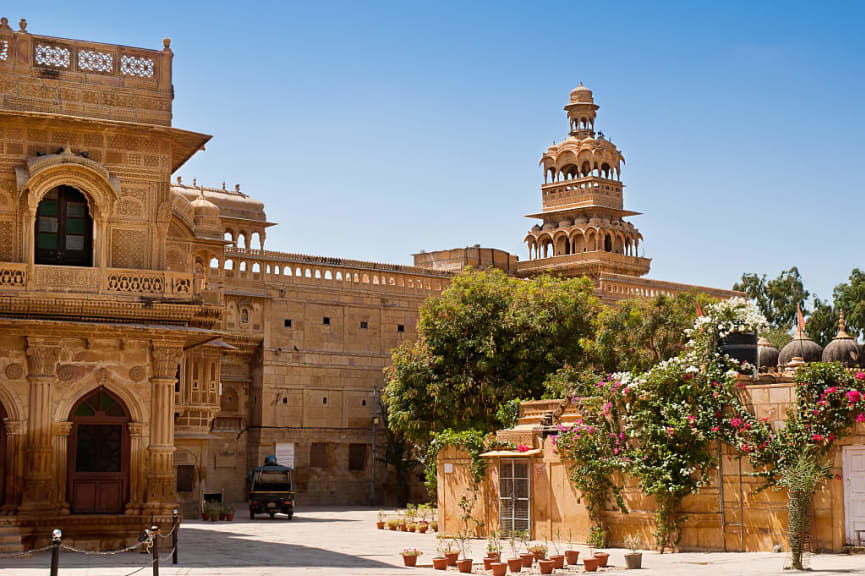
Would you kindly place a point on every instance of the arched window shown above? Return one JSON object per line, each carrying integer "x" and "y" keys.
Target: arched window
{"x": 64, "y": 229}
{"x": 244, "y": 316}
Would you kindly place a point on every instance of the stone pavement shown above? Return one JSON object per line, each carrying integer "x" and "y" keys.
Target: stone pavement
{"x": 344, "y": 541}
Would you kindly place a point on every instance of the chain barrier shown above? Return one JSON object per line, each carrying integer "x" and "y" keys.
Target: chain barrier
{"x": 24, "y": 554}
{"x": 98, "y": 553}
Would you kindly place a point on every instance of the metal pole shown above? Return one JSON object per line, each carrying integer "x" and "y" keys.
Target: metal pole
{"x": 55, "y": 551}
{"x": 174, "y": 536}
{"x": 372, "y": 472}
{"x": 154, "y": 539}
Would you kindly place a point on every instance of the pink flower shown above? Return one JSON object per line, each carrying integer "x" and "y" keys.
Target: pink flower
{"x": 670, "y": 432}
{"x": 735, "y": 422}
{"x": 854, "y": 396}
{"x": 607, "y": 407}
{"x": 715, "y": 394}
{"x": 860, "y": 375}
{"x": 817, "y": 438}
{"x": 831, "y": 389}
{"x": 861, "y": 417}
{"x": 615, "y": 451}
{"x": 715, "y": 428}
{"x": 522, "y": 448}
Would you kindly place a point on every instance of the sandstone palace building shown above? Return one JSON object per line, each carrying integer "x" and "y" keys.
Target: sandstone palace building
{"x": 152, "y": 349}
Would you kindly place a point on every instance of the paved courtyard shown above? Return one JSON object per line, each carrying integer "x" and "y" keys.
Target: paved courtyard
{"x": 345, "y": 541}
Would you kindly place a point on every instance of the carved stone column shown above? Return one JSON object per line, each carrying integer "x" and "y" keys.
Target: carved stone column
{"x": 160, "y": 479}
{"x": 39, "y": 483}
{"x": 14, "y": 465}
{"x": 136, "y": 468}
{"x": 61, "y": 449}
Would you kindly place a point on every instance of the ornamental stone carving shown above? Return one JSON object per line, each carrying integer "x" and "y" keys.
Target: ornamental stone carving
{"x": 137, "y": 373}
{"x": 42, "y": 359}
{"x": 14, "y": 371}
{"x": 68, "y": 372}
{"x": 165, "y": 361}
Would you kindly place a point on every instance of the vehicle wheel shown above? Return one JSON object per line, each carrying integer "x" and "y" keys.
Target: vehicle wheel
{"x": 291, "y": 516}
{"x": 251, "y": 514}
{"x": 272, "y": 514}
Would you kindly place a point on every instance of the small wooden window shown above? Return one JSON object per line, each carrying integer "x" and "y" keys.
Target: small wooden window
{"x": 318, "y": 455}
{"x": 357, "y": 457}
{"x": 400, "y": 328}
{"x": 364, "y": 324}
{"x": 185, "y": 478}
{"x": 326, "y": 320}
{"x": 287, "y": 322}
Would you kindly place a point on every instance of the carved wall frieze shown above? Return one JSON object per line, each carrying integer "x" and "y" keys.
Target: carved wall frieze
{"x": 69, "y": 372}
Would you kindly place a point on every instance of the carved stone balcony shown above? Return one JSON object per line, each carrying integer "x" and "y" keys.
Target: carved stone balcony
{"x": 590, "y": 264}
{"x": 106, "y": 281}
{"x": 581, "y": 192}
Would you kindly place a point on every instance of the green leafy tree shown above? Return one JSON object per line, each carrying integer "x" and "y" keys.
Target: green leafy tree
{"x": 850, "y": 297}
{"x": 486, "y": 340}
{"x": 777, "y": 299}
{"x": 636, "y": 334}
{"x": 822, "y": 324}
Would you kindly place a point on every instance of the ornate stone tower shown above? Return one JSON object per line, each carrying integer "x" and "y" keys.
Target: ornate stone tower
{"x": 583, "y": 230}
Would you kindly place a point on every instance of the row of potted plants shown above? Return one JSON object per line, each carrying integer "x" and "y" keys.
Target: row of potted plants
{"x": 214, "y": 511}
{"x": 414, "y": 519}
{"x": 453, "y": 551}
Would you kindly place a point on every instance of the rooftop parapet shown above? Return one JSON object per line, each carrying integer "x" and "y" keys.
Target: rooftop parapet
{"x": 44, "y": 74}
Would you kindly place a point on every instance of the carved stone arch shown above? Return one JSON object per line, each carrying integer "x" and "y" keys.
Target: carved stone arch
{"x": 15, "y": 410}
{"x": 75, "y": 391}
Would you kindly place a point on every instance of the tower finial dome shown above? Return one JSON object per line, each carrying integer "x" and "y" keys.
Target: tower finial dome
{"x": 582, "y": 94}
{"x": 843, "y": 348}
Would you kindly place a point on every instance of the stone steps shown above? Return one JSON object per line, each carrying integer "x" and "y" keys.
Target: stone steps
{"x": 10, "y": 540}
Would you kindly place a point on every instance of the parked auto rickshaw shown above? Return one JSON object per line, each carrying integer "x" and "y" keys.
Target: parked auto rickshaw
{"x": 271, "y": 489}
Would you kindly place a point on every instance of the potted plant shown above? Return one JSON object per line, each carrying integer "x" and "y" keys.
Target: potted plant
{"x": 434, "y": 524}
{"x": 411, "y": 526}
{"x": 421, "y": 527}
{"x": 464, "y": 565}
{"x": 515, "y": 563}
{"x": 449, "y": 550}
{"x": 558, "y": 558}
{"x": 602, "y": 558}
{"x": 205, "y": 513}
{"x": 213, "y": 511}
{"x": 229, "y": 512}
{"x": 409, "y": 556}
{"x": 392, "y": 523}
{"x": 634, "y": 558}
{"x": 494, "y": 549}
{"x": 571, "y": 554}
{"x": 527, "y": 557}
{"x": 221, "y": 511}
{"x": 539, "y": 551}
{"x": 590, "y": 564}
{"x": 403, "y": 527}
{"x": 443, "y": 548}
{"x": 546, "y": 566}
{"x": 380, "y": 522}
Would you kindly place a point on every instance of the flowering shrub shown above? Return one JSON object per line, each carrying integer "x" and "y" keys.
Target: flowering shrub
{"x": 411, "y": 552}
{"x": 595, "y": 448}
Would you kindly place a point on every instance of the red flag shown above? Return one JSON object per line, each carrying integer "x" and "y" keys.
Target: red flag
{"x": 699, "y": 310}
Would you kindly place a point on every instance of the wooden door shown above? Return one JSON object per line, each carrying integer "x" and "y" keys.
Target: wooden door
{"x": 853, "y": 460}
{"x": 99, "y": 455}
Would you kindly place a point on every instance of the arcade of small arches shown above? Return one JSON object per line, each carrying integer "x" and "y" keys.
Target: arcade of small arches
{"x": 582, "y": 124}
{"x": 585, "y": 170}
{"x": 245, "y": 239}
{"x": 579, "y": 240}
{"x": 253, "y": 270}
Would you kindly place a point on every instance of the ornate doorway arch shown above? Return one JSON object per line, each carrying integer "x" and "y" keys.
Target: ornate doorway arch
{"x": 99, "y": 454}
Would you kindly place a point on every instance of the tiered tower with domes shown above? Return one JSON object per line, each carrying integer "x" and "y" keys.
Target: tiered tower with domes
{"x": 583, "y": 230}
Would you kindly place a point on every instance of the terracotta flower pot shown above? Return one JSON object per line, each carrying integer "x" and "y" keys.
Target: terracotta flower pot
{"x": 440, "y": 563}
{"x": 452, "y": 558}
{"x": 379, "y": 525}
{"x": 515, "y": 564}
{"x": 602, "y": 558}
{"x": 411, "y": 528}
{"x": 559, "y": 560}
{"x": 499, "y": 568}
{"x": 410, "y": 560}
{"x": 205, "y": 516}
{"x": 590, "y": 564}
{"x": 634, "y": 560}
{"x": 229, "y": 517}
{"x": 422, "y": 528}
{"x": 392, "y": 527}
{"x": 221, "y": 516}
{"x": 465, "y": 565}
{"x": 488, "y": 561}
{"x": 497, "y": 555}
{"x": 546, "y": 566}
{"x": 539, "y": 555}
{"x": 571, "y": 556}
{"x": 527, "y": 558}
{"x": 403, "y": 527}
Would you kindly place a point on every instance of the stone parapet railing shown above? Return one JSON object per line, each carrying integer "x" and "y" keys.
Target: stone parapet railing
{"x": 582, "y": 192}
{"x": 617, "y": 287}
{"x": 85, "y": 79}
{"x": 107, "y": 281}
{"x": 634, "y": 263}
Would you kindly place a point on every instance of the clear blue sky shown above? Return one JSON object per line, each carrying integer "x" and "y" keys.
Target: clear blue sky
{"x": 376, "y": 129}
